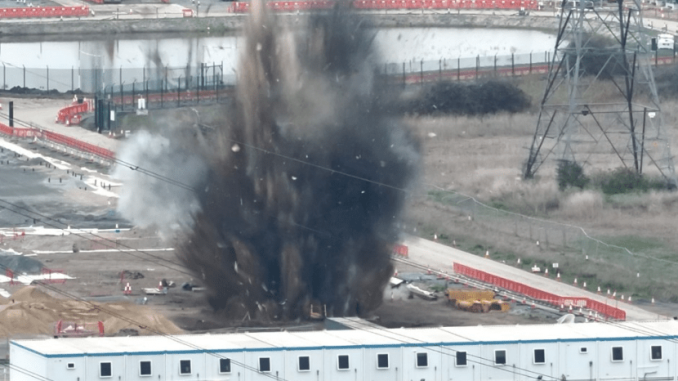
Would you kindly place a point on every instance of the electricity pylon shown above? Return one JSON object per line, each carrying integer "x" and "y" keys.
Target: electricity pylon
{"x": 600, "y": 99}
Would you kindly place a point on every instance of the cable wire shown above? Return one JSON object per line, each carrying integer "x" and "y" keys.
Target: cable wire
{"x": 143, "y": 326}
{"x": 129, "y": 252}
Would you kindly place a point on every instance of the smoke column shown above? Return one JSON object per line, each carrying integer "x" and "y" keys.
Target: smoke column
{"x": 304, "y": 179}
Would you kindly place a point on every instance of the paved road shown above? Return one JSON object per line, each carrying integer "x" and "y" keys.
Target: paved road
{"x": 441, "y": 257}
{"x": 41, "y": 113}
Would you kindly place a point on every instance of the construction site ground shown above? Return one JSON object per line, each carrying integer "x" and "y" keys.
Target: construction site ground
{"x": 105, "y": 253}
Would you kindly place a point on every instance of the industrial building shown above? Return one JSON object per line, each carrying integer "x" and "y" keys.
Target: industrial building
{"x": 586, "y": 351}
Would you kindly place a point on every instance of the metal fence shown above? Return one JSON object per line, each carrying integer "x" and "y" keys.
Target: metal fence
{"x": 206, "y": 85}
{"x": 161, "y": 78}
{"x": 572, "y": 251}
{"x": 480, "y": 63}
{"x": 96, "y": 79}
{"x": 480, "y": 67}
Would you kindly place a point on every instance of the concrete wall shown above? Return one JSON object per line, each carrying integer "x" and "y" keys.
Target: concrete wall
{"x": 85, "y": 27}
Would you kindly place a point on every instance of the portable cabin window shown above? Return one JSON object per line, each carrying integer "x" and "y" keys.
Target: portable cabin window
{"x": 342, "y": 362}
{"x": 264, "y": 364}
{"x": 304, "y": 363}
{"x": 105, "y": 369}
{"x": 656, "y": 352}
{"x": 583, "y": 350}
{"x": 70, "y": 365}
{"x": 382, "y": 361}
{"x": 539, "y": 356}
{"x": 422, "y": 360}
{"x": 144, "y": 368}
{"x": 500, "y": 357}
{"x": 461, "y": 359}
{"x": 617, "y": 354}
{"x": 224, "y": 366}
{"x": 185, "y": 367}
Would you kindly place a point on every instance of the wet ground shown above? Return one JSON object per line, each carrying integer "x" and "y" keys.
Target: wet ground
{"x": 54, "y": 190}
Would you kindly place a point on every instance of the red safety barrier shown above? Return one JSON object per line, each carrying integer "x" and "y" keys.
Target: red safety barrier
{"x": 77, "y": 144}
{"x": 72, "y": 114}
{"x": 7, "y": 130}
{"x": 602, "y": 308}
{"x": 289, "y": 6}
{"x": 48, "y": 275}
{"x": 44, "y": 12}
{"x": 401, "y": 250}
{"x": 10, "y": 274}
{"x": 57, "y": 138}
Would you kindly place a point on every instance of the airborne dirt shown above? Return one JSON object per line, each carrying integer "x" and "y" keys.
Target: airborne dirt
{"x": 97, "y": 268}
{"x": 289, "y": 200}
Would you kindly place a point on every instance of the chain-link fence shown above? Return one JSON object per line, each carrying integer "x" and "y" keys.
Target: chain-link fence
{"x": 573, "y": 251}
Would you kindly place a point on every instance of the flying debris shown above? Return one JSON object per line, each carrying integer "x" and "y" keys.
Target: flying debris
{"x": 307, "y": 175}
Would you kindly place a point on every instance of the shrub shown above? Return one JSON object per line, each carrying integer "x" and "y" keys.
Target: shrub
{"x": 602, "y": 57}
{"x": 624, "y": 180}
{"x": 571, "y": 174}
{"x": 666, "y": 79}
{"x": 470, "y": 99}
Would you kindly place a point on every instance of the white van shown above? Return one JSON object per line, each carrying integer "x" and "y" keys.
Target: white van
{"x": 665, "y": 41}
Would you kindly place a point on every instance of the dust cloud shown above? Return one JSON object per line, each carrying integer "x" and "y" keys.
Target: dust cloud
{"x": 297, "y": 192}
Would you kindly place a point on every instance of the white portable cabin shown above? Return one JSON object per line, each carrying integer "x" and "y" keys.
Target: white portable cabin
{"x": 587, "y": 351}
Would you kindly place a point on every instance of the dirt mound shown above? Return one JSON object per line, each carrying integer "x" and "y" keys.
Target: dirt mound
{"x": 31, "y": 294}
{"x": 36, "y": 312}
{"x": 3, "y": 300}
{"x": 150, "y": 322}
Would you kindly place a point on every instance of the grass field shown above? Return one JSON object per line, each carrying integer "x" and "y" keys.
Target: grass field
{"x": 625, "y": 235}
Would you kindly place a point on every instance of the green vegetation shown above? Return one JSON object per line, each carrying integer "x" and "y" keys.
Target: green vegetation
{"x": 571, "y": 174}
{"x": 624, "y": 180}
{"x": 491, "y": 97}
{"x": 644, "y": 272}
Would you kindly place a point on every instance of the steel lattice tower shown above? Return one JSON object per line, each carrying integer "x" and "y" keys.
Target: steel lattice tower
{"x": 600, "y": 100}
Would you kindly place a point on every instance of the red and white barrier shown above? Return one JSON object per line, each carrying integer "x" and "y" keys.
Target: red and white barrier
{"x": 58, "y": 139}
{"x": 73, "y": 114}
{"x": 400, "y": 250}
{"x": 294, "y": 6}
{"x": 43, "y": 12}
{"x": 556, "y": 300}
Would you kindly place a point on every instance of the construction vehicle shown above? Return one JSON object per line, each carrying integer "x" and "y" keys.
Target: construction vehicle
{"x": 475, "y": 301}
{"x": 427, "y": 295}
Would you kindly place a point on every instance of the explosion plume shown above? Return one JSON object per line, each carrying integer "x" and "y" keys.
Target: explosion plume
{"x": 303, "y": 183}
